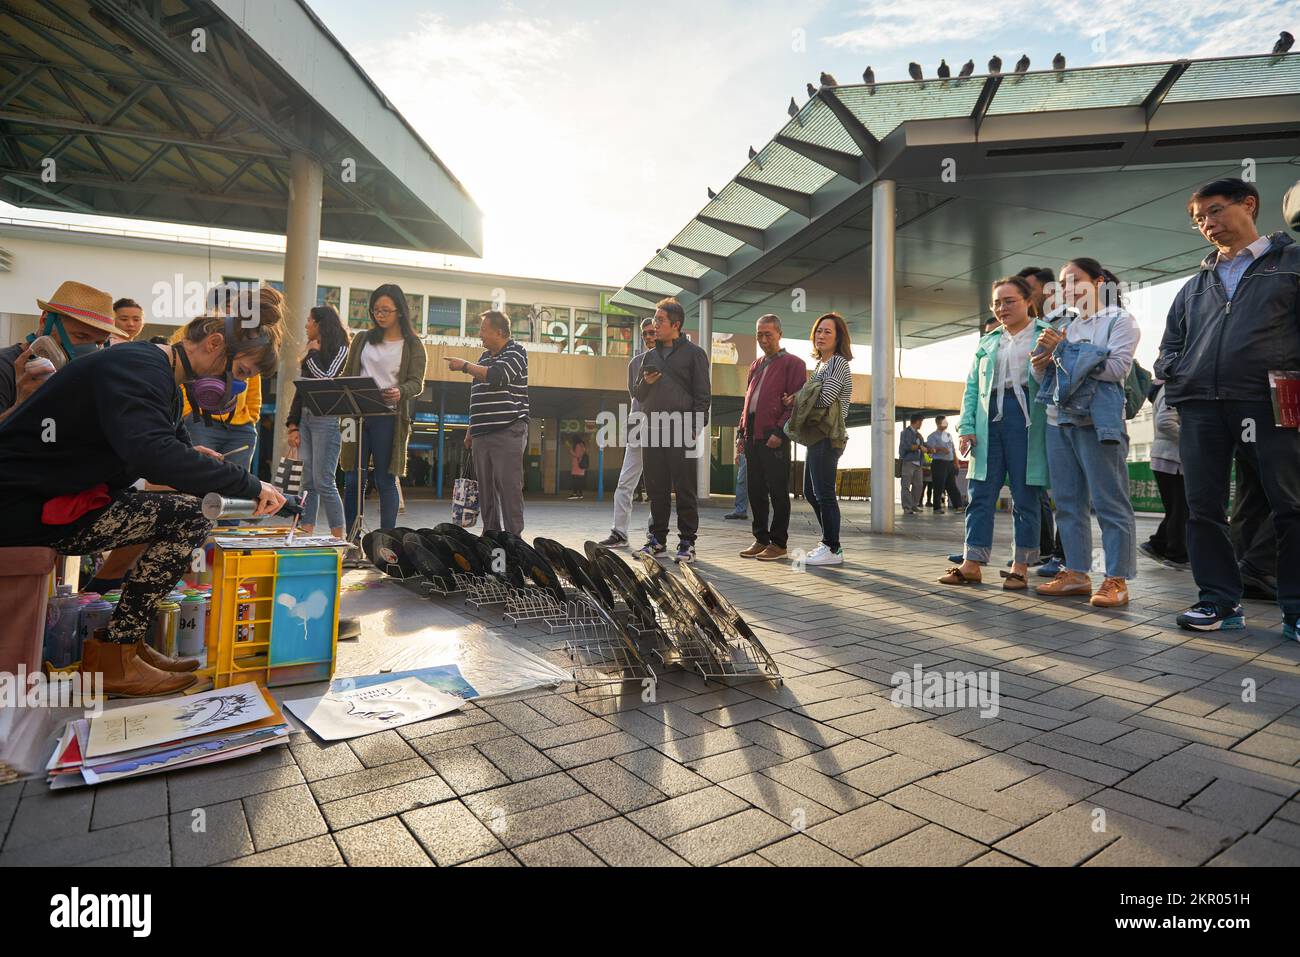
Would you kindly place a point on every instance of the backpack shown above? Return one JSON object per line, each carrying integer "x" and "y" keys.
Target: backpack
{"x": 1136, "y": 387}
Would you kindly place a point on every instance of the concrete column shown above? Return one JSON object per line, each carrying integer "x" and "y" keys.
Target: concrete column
{"x": 302, "y": 248}
{"x": 703, "y": 463}
{"x": 882, "y": 356}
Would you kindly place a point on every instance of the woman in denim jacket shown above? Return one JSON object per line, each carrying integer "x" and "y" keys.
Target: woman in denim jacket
{"x": 1085, "y": 470}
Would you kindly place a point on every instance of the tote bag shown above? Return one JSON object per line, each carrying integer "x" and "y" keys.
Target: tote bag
{"x": 464, "y": 499}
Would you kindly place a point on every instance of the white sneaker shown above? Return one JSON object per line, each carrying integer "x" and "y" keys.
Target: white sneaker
{"x": 822, "y": 555}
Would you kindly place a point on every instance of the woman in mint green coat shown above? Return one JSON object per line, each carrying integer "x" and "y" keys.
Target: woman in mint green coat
{"x": 1007, "y": 432}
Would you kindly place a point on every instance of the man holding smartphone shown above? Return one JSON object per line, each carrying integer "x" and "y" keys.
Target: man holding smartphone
{"x": 673, "y": 388}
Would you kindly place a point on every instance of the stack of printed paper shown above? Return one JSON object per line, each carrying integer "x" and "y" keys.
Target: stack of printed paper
{"x": 165, "y": 735}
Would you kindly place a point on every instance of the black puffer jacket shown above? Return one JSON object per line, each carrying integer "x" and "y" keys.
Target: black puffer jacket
{"x": 1216, "y": 349}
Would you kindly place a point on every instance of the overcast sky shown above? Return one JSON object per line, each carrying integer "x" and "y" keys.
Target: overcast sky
{"x": 588, "y": 132}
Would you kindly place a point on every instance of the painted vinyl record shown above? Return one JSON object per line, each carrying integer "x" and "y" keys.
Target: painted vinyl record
{"x": 456, "y": 555}
{"x": 583, "y": 575}
{"x": 535, "y": 567}
{"x": 618, "y": 578}
{"x": 390, "y": 555}
{"x": 425, "y": 560}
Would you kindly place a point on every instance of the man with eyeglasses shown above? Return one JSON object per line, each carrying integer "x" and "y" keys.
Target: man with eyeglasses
{"x": 1230, "y": 324}
{"x": 630, "y": 474}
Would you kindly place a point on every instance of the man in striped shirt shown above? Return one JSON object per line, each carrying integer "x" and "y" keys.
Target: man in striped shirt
{"x": 498, "y": 422}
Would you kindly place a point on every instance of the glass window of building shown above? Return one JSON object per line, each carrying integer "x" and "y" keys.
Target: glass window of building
{"x": 443, "y": 317}
{"x": 586, "y": 332}
{"x": 415, "y": 309}
{"x": 521, "y": 327}
{"x": 325, "y": 295}
{"x": 619, "y": 335}
{"x": 553, "y": 322}
{"x": 359, "y": 308}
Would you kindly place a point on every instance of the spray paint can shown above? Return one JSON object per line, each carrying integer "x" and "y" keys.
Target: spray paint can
{"x": 62, "y": 618}
{"x": 94, "y": 616}
{"x": 192, "y": 628}
{"x": 163, "y": 635}
{"x": 216, "y": 507}
{"x": 244, "y": 612}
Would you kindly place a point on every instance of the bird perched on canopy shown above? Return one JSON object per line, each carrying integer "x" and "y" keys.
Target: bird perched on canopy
{"x": 1058, "y": 62}
{"x": 712, "y": 194}
{"x": 1022, "y": 65}
{"x": 944, "y": 71}
{"x": 869, "y": 76}
{"x": 914, "y": 70}
{"x": 826, "y": 79}
{"x": 812, "y": 90}
{"x": 967, "y": 68}
{"x": 1284, "y": 43}
{"x": 995, "y": 65}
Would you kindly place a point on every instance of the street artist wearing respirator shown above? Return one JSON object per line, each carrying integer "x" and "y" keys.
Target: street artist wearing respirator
{"x": 72, "y": 450}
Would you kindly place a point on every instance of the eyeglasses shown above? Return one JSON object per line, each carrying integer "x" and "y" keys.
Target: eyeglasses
{"x": 1214, "y": 212}
{"x": 1006, "y": 302}
{"x": 384, "y": 313}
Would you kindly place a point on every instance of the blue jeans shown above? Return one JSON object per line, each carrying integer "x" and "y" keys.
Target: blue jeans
{"x": 321, "y": 442}
{"x": 742, "y": 486}
{"x": 376, "y": 444}
{"x": 819, "y": 489}
{"x": 1007, "y": 457}
{"x": 1086, "y": 471}
{"x": 222, "y": 438}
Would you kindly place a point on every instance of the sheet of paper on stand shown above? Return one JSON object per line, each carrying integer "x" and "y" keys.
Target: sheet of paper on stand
{"x": 374, "y": 708}
{"x": 287, "y": 540}
{"x": 165, "y": 735}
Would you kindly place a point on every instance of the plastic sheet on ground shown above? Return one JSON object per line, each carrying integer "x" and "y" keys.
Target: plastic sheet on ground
{"x": 402, "y": 632}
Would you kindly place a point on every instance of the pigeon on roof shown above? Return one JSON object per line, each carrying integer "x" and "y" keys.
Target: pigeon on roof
{"x": 1022, "y": 65}
{"x": 827, "y": 80}
{"x": 995, "y": 65}
{"x": 967, "y": 68}
{"x": 1284, "y": 43}
{"x": 944, "y": 71}
{"x": 914, "y": 70}
{"x": 1058, "y": 62}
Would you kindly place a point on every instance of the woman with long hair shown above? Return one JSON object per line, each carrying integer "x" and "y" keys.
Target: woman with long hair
{"x": 316, "y": 439}
{"x": 118, "y": 418}
{"x": 832, "y": 350}
{"x": 1004, "y": 430}
{"x": 391, "y": 353}
{"x": 1087, "y": 450}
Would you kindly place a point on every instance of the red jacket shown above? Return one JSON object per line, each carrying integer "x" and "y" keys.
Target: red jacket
{"x": 786, "y": 375}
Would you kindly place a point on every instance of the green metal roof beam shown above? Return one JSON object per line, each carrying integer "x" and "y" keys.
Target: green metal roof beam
{"x": 982, "y": 105}
{"x": 711, "y": 260}
{"x": 685, "y": 282}
{"x": 791, "y": 199}
{"x": 851, "y": 167}
{"x": 749, "y": 235}
{"x": 862, "y": 137}
{"x": 1157, "y": 95}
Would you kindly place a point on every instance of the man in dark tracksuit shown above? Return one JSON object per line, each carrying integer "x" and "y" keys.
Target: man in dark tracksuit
{"x": 1238, "y": 318}
{"x": 674, "y": 392}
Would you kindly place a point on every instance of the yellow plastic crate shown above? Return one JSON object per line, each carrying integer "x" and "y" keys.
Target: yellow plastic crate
{"x": 294, "y": 620}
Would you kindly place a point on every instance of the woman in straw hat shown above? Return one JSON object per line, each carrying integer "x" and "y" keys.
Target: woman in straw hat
{"x": 73, "y": 449}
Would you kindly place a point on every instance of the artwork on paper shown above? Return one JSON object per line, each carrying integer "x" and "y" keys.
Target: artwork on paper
{"x": 174, "y": 719}
{"x": 392, "y": 704}
{"x": 444, "y": 678}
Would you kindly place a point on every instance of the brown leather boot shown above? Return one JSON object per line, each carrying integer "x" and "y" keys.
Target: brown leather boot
{"x": 126, "y": 675}
{"x": 151, "y": 655}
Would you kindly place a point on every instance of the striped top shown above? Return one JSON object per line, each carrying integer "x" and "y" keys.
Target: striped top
{"x": 502, "y": 398}
{"x": 316, "y": 366}
{"x": 837, "y": 383}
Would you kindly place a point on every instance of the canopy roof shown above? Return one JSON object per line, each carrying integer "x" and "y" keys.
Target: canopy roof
{"x": 993, "y": 173}
{"x": 187, "y": 111}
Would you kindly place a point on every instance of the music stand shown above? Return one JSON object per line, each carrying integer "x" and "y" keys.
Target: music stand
{"x": 352, "y": 397}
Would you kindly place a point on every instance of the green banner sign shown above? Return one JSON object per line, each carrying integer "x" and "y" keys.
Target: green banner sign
{"x": 609, "y": 309}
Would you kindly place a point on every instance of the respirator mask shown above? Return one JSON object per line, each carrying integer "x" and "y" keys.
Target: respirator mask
{"x": 217, "y": 395}
{"x": 56, "y": 345}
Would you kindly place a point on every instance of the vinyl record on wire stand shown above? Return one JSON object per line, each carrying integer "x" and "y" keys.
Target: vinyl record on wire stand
{"x": 535, "y": 567}
{"x": 390, "y": 555}
{"x": 457, "y": 556}
{"x": 618, "y": 578}
{"x": 424, "y": 558}
{"x": 583, "y": 575}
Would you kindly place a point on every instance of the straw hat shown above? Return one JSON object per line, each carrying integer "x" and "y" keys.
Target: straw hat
{"x": 83, "y": 303}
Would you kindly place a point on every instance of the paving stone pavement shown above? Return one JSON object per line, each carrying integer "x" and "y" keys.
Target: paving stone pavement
{"x": 1118, "y": 740}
